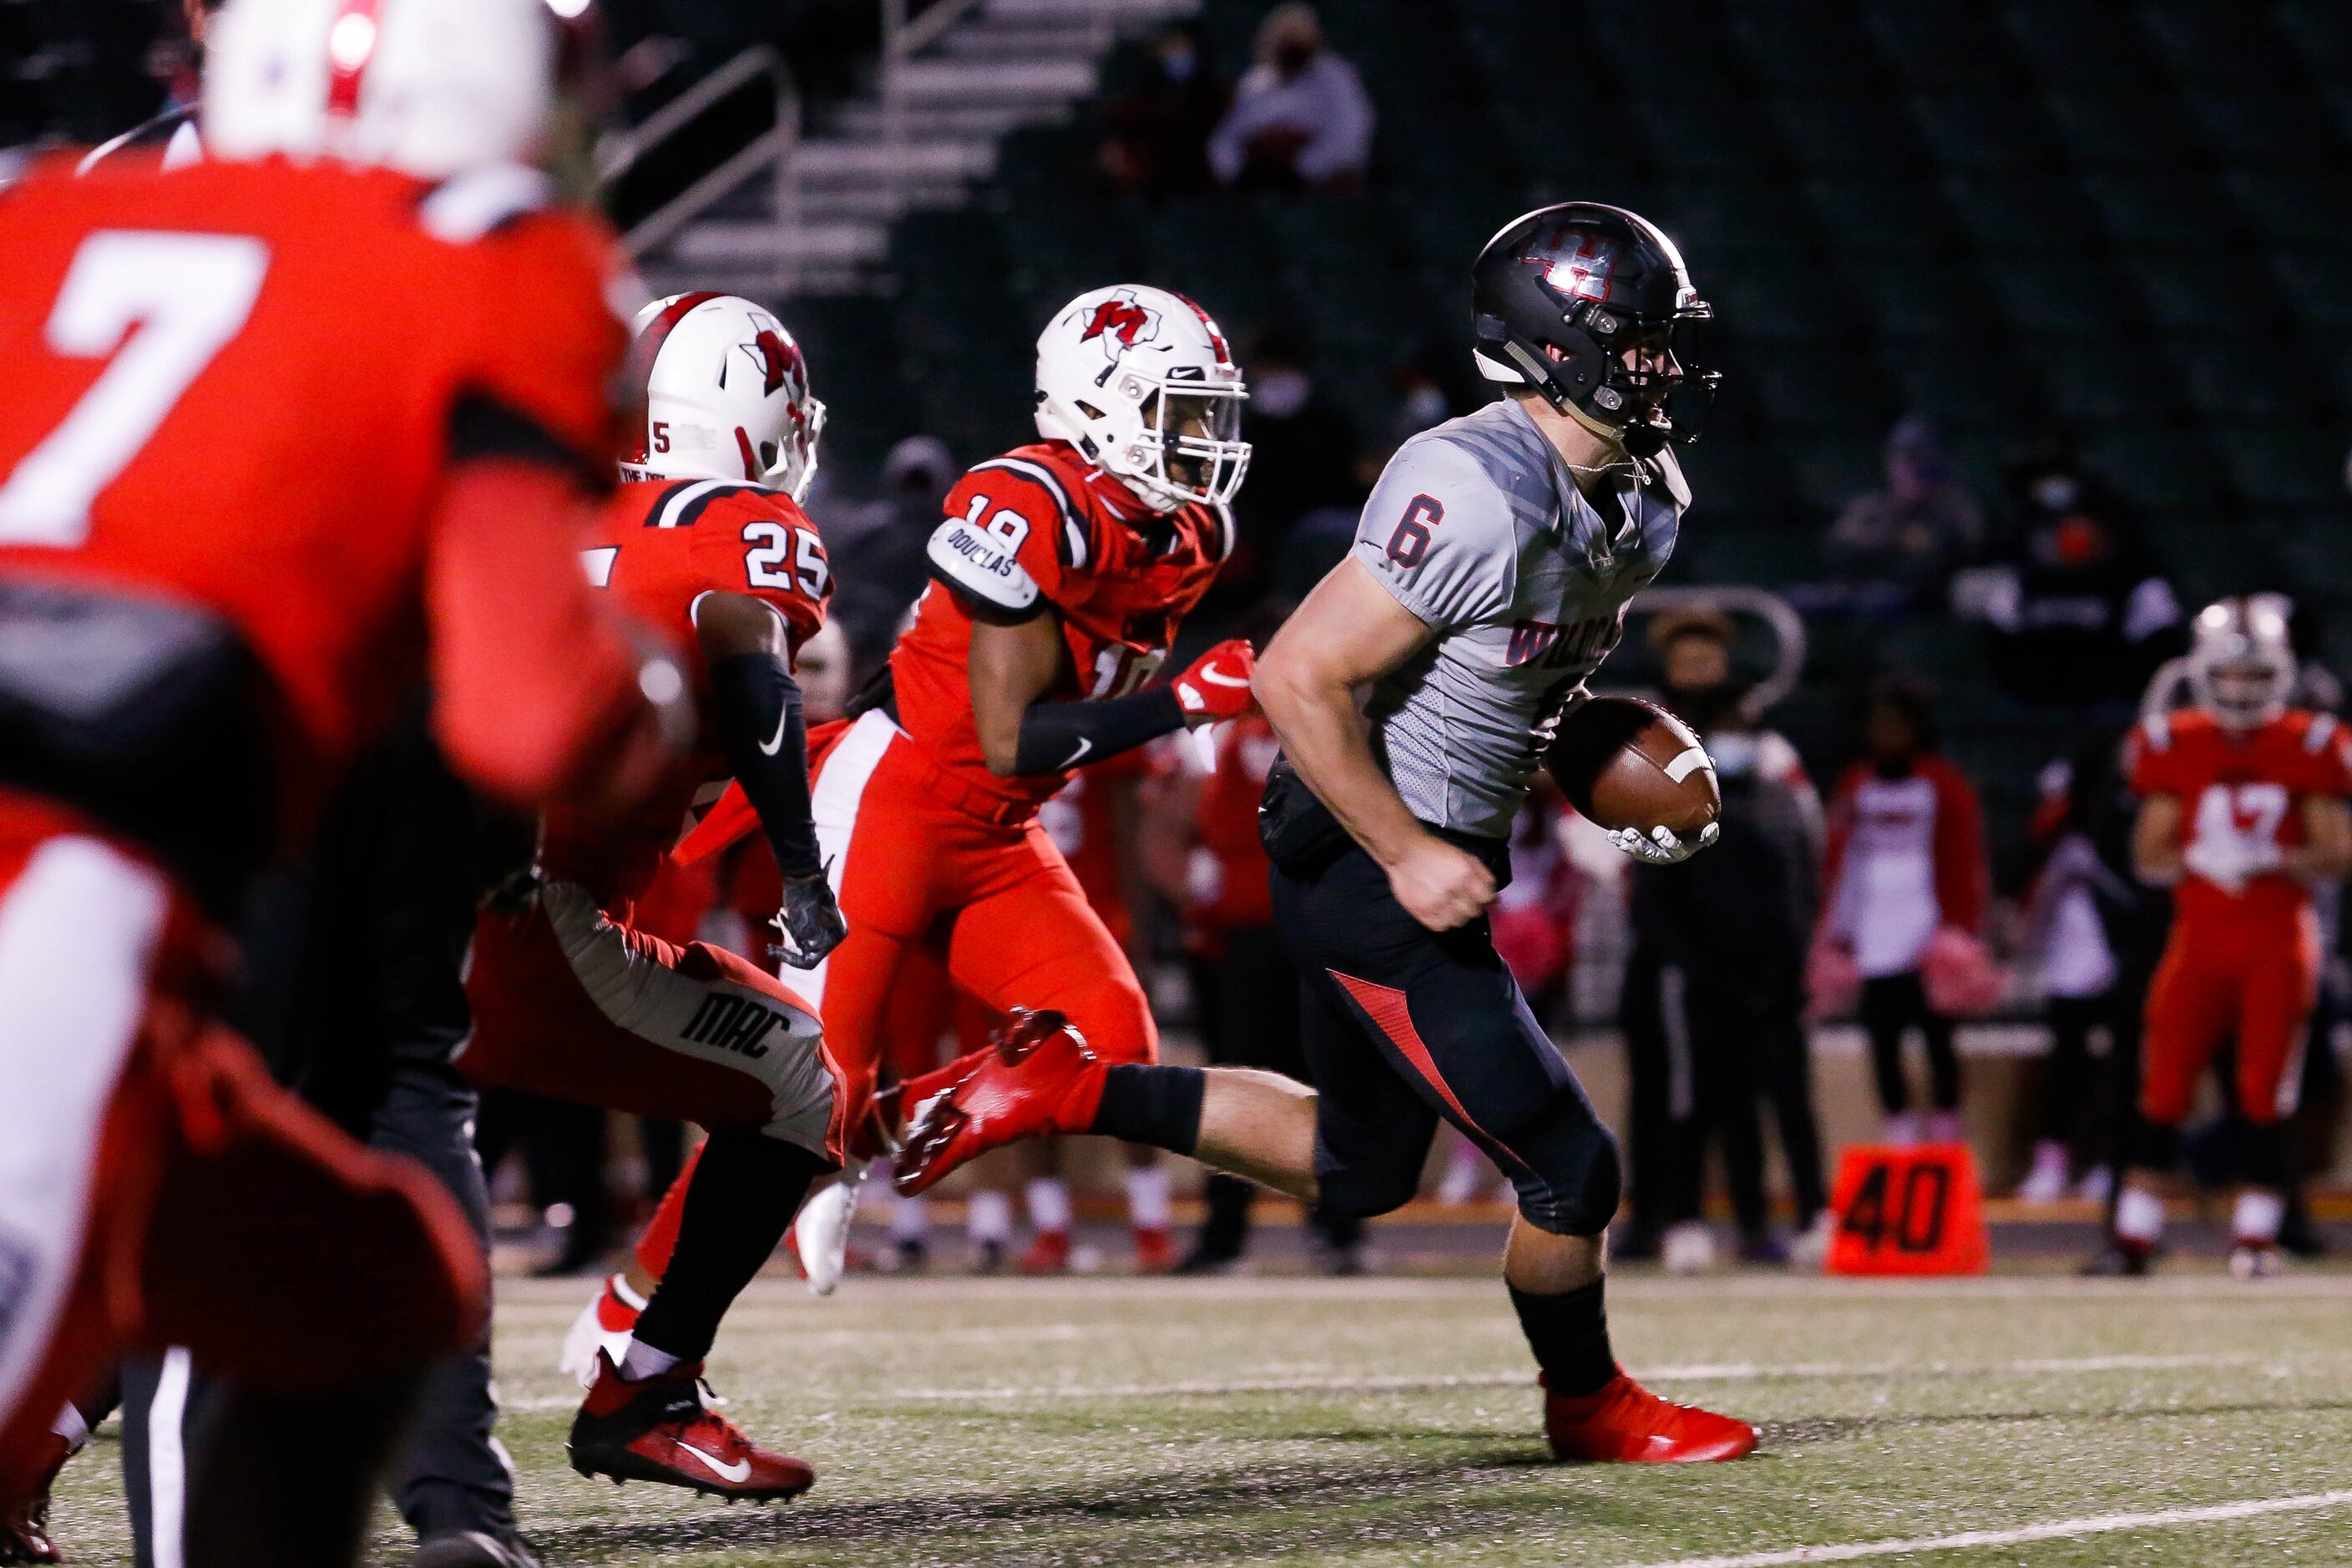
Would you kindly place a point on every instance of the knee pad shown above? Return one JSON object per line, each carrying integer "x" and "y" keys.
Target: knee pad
{"x": 1360, "y": 1190}
{"x": 1567, "y": 1170}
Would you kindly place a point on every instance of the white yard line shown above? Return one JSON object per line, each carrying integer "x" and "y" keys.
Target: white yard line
{"x": 2058, "y": 1530}
{"x": 1705, "y": 1372}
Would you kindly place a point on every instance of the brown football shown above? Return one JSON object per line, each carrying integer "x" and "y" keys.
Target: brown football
{"x": 1628, "y": 763}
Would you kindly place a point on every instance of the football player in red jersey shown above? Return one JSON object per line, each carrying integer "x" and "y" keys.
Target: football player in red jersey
{"x": 2242, "y": 810}
{"x": 1062, "y": 573}
{"x": 570, "y": 999}
{"x": 213, "y": 592}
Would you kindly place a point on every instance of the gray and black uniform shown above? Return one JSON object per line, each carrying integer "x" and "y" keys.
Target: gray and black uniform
{"x": 1478, "y": 527}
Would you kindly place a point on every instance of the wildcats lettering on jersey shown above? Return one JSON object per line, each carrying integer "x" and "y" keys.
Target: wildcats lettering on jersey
{"x": 1549, "y": 646}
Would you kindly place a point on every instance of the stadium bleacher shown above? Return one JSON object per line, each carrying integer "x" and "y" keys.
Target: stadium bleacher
{"x": 2009, "y": 216}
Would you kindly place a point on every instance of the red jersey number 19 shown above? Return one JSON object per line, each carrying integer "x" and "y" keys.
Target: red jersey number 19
{"x": 161, "y": 305}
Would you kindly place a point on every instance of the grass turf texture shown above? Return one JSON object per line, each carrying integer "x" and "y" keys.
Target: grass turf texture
{"x": 1394, "y": 1421}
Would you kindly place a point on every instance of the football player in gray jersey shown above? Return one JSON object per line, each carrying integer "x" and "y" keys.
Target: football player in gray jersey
{"x": 1489, "y": 577}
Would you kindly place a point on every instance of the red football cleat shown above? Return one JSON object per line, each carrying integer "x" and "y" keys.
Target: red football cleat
{"x": 1037, "y": 1080}
{"x": 25, "y": 1521}
{"x": 1049, "y": 1253}
{"x": 662, "y": 1429}
{"x": 1623, "y": 1422}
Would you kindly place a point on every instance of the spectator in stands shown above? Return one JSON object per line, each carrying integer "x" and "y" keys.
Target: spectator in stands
{"x": 2078, "y": 605}
{"x": 1300, "y": 118}
{"x": 1302, "y": 478}
{"x": 878, "y": 550}
{"x": 1908, "y": 891}
{"x": 1156, "y": 126}
{"x": 1720, "y": 953}
{"x": 1913, "y": 535}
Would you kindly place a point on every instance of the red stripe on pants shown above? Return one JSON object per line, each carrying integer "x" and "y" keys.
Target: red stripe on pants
{"x": 1385, "y": 1006}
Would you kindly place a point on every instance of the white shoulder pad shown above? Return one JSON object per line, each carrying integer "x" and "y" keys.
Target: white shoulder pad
{"x": 974, "y": 562}
{"x": 464, "y": 208}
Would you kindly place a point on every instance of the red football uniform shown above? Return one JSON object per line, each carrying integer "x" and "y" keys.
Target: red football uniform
{"x": 928, "y": 848}
{"x": 1119, "y": 579}
{"x": 2245, "y": 962}
{"x": 1084, "y": 823}
{"x": 574, "y": 997}
{"x": 277, "y": 441}
{"x": 1240, "y": 895}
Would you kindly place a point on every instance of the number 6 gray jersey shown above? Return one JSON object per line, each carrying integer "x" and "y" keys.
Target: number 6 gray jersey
{"x": 1479, "y": 529}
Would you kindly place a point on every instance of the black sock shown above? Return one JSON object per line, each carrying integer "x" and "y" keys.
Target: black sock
{"x": 1570, "y": 1335}
{"x": 743, "y": 1196}
{"x": 1156, "y": 1105}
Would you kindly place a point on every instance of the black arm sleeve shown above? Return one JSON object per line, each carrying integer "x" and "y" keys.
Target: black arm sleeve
{"x": 1055, "y": 736}
{"x": 755, "y": 706}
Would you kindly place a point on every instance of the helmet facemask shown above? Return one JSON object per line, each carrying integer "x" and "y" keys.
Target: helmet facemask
{"x": 1197, "y": 434}
{"x": 2242, "y": 668}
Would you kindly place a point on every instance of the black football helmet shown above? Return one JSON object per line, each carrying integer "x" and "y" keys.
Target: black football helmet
{"x": 1560, "y": 295}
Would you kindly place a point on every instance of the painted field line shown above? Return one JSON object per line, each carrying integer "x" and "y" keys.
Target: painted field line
{"x": 2058, "y": 1530}
{"x": 1704, "y": 1372}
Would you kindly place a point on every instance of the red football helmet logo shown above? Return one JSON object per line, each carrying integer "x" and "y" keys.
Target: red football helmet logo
{"x": 1122, "y": 320}
{"x": 777, "y": 358}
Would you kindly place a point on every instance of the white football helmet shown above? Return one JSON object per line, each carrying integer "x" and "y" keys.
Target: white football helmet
{"x": 727, "y": 396}
{"x": 2241, "y": 666}
{"x": 430, "y": 88}
{"x": 1141, "y": 381}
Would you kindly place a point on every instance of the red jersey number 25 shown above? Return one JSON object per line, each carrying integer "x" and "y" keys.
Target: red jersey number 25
{"x": 792, "y": 559}
{"x": 160, "y": 306}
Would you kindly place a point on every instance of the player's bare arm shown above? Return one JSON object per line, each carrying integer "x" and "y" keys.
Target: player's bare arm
{"x": 2325, "y": 853}
{"x": 1349, "y": 632}
{"x": 2157, "y": 841}
{"x": 756, "y": 709}
{"x": 1012, "y": 668}
{"x": 1013, "y": 664}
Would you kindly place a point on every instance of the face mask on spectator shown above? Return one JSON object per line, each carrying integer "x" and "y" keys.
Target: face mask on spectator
{"x": 1280, "y": 393}
{"x": 1424, "y": 407}
{"x": 2055, "y": 492}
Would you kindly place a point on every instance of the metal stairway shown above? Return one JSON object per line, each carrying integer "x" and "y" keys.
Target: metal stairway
{"x": 801, "y": 215}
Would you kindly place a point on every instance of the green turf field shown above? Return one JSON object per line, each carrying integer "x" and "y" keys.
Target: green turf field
{"x": 1297, "y": 1421}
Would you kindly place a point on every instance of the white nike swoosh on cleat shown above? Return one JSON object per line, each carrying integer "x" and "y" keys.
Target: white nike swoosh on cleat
{"x": 738, "y": 1472}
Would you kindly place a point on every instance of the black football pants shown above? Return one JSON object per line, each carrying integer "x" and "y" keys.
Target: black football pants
{"x": 1401, "y": 1025}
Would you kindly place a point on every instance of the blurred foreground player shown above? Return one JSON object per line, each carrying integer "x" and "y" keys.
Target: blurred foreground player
{"x": 570, "y": 999}
{"x": 204, "y": 583}
{"x": 1489, "y": 577}
{"x": 2242, "y": 810}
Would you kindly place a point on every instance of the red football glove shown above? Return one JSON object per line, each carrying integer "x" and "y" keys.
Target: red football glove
{"x": 1216, "y": 686}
